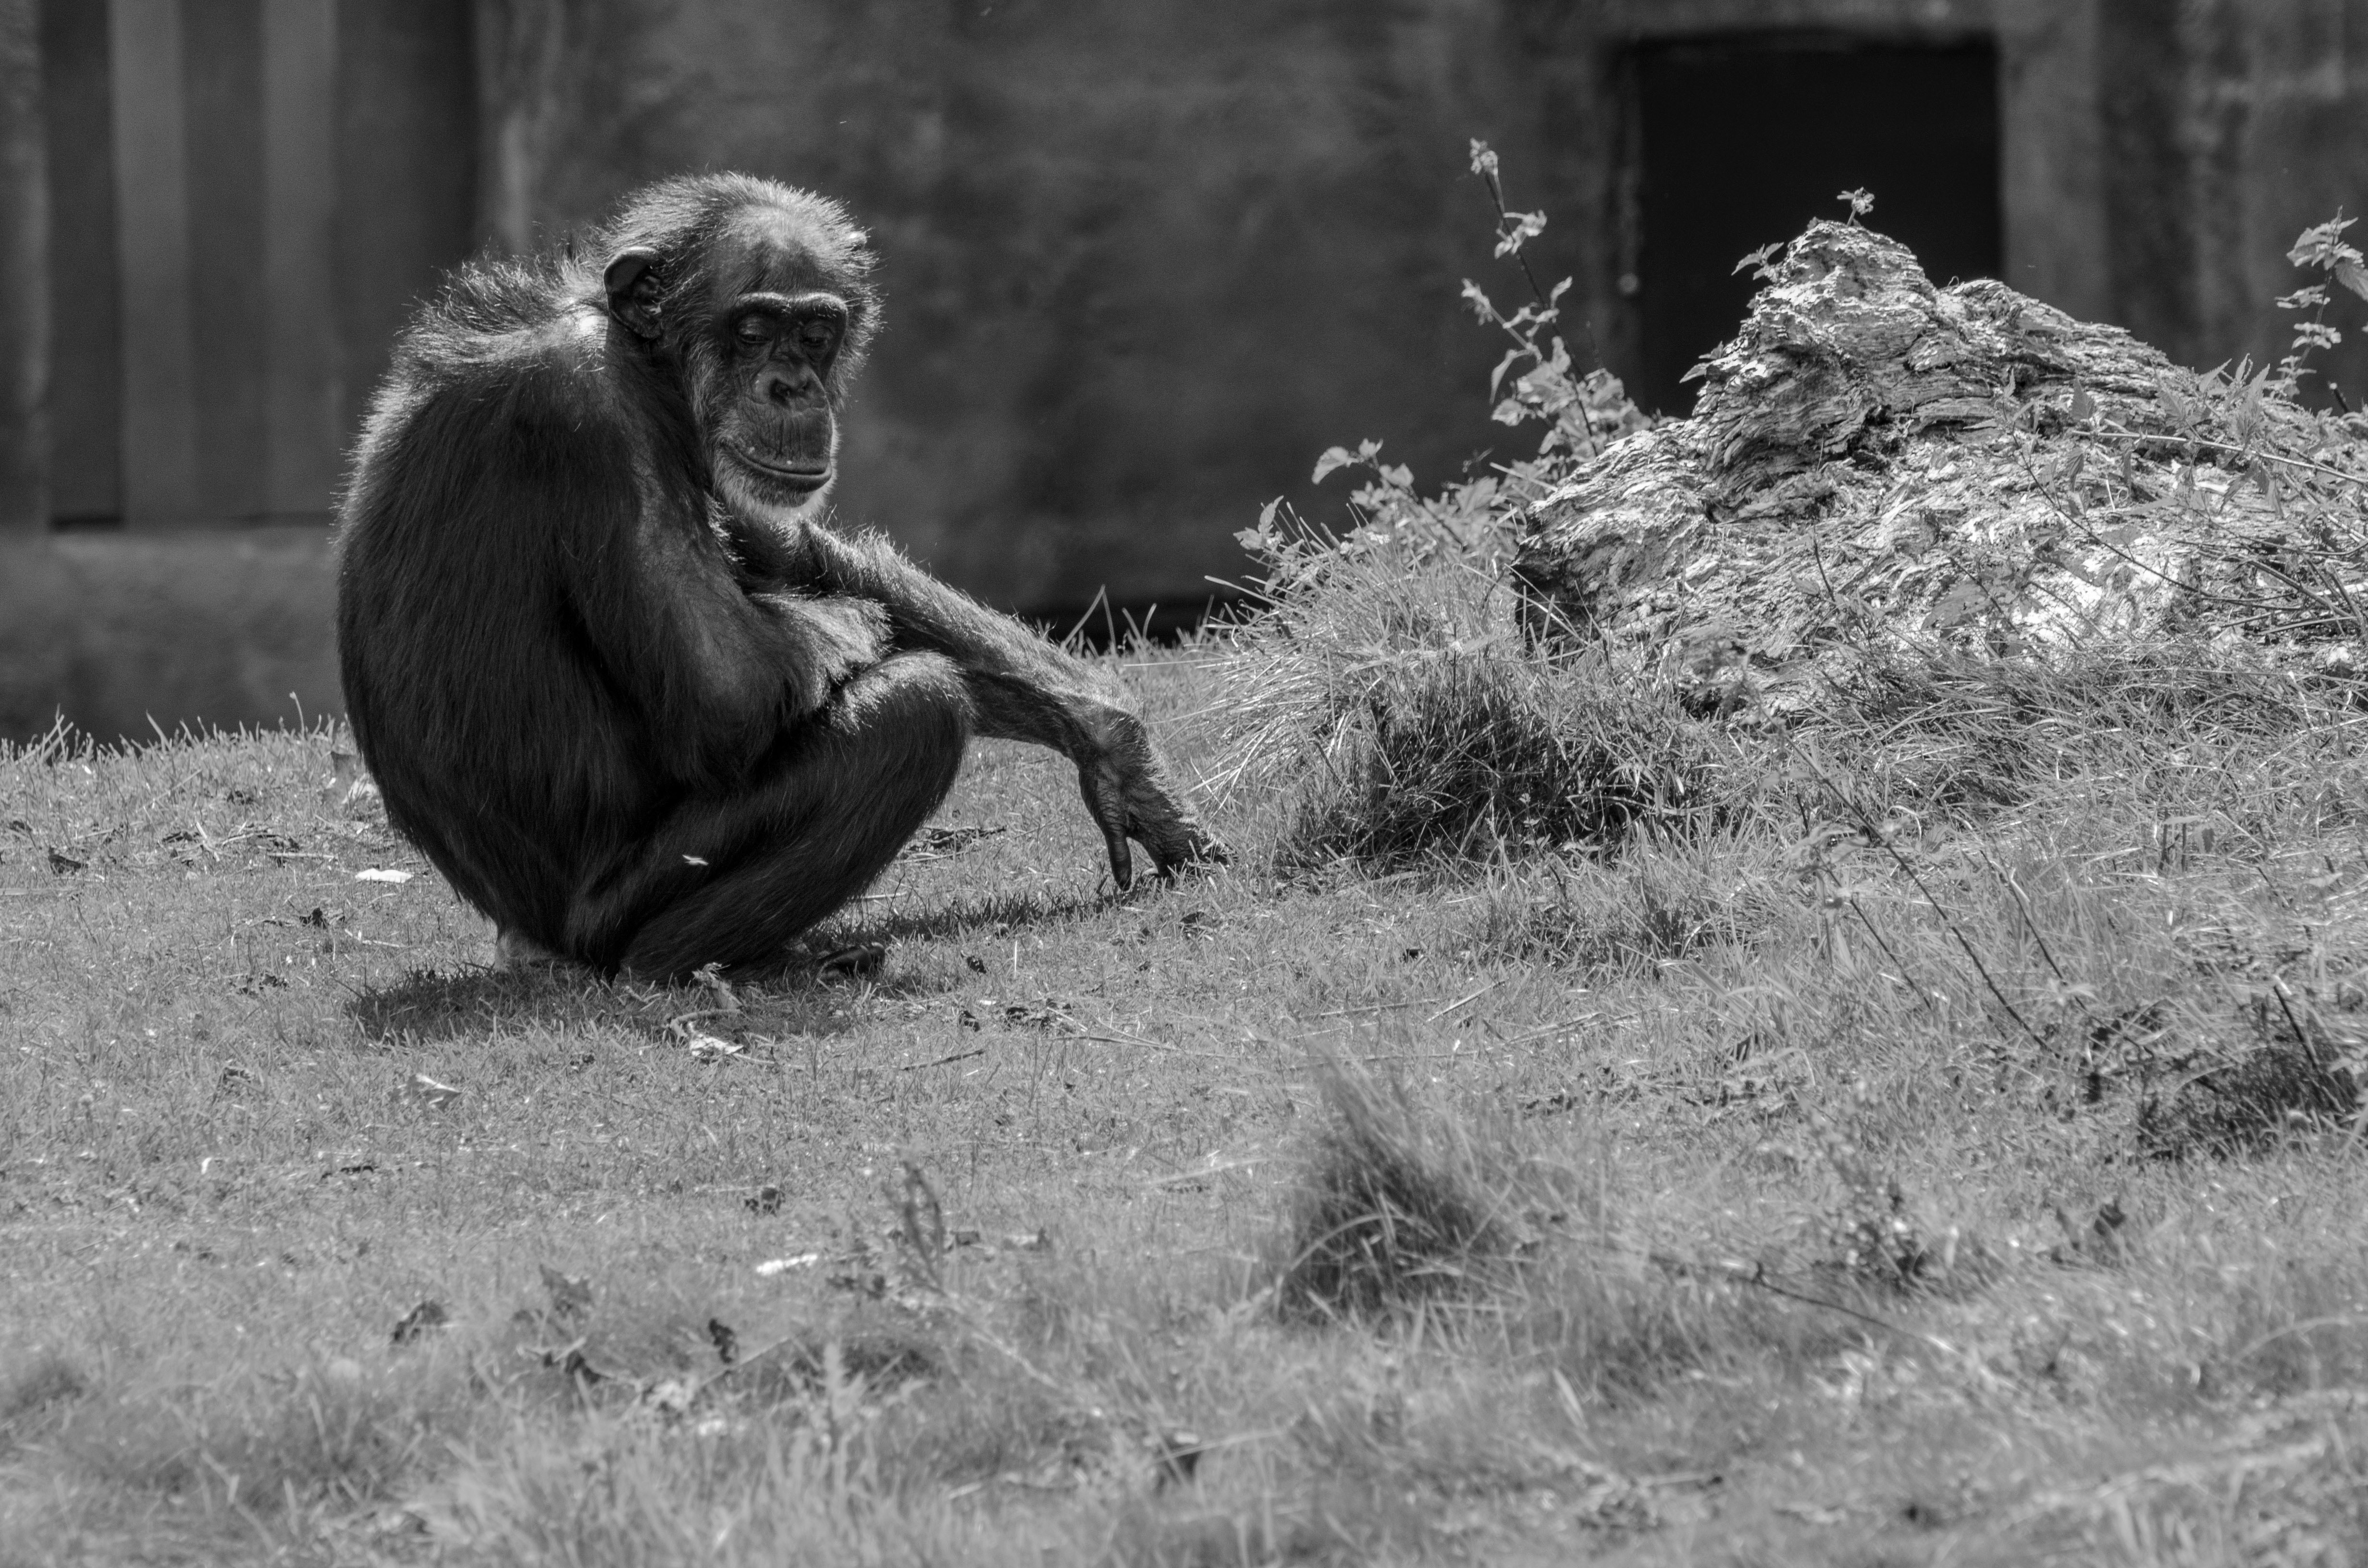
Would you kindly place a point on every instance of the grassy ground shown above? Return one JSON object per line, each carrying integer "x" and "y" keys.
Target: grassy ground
{"x": 1955, "y": 1163}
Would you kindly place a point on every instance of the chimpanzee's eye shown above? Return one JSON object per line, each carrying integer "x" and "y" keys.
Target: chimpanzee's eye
{"x": 754, "y": 330}
{"x": 817, "y": 334}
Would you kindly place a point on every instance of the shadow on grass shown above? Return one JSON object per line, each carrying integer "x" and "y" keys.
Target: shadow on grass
{"x": 996, "y": 912}
{"x": 801, "y": 996}
{"x": 432, "y": 1005}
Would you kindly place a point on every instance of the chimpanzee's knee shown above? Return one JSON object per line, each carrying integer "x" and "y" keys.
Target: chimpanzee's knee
{"x": 904, "y": 724}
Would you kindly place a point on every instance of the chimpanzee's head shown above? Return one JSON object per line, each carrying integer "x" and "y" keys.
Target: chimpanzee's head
{"x": 757, "y": 296}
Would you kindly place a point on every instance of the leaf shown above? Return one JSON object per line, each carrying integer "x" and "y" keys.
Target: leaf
{"x": 1333, "y": 458}
{"x": 2322, "y": 243}
{"x": 1497, "y": 376}
{"x": 1759, "y": 258}
{"x": 2352, "y": 276}
{"x": 710, "y": 978}
{"x": 2084, "y": 407}
{"x": 1520, "y": 228}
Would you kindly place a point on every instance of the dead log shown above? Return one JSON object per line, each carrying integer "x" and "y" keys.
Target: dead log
{"x": 1876, "y": 464}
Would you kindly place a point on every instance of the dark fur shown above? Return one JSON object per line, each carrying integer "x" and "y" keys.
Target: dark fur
{"x": 634, "y": 722}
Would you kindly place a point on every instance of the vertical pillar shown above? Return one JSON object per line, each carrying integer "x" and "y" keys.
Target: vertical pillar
{"x": 152, "y": 189}
{"x": 304, "y": 416}
{"x": 85, "y": 401}
{"x": 24, "y": 261}
{"x": 222, "y": 139}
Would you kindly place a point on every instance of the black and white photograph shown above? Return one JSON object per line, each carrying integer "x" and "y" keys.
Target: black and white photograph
{"x": 1183, "y": 783}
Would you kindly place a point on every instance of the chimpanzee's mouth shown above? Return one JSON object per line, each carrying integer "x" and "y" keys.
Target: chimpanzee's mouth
{"x": 801, "y": 480}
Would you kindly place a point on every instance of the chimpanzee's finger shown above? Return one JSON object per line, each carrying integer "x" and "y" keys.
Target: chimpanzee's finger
{"x": 1121, "y": 858}
{"x": 1106, "y": 800}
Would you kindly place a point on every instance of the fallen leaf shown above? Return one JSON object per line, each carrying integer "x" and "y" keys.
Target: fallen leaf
{"x": 671, "y": 1396}
{"x": 420, "y": 1320}
{"x": 379, "y": 874}
{"x": 428, "y": 1092}
{"x": 773, "y": 1265}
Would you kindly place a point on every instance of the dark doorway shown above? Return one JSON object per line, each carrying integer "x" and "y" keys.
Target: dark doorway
{"x": 1742, "y": 140}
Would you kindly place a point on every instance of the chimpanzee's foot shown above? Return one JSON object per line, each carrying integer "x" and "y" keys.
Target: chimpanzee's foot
{"x": 516, "y": 950}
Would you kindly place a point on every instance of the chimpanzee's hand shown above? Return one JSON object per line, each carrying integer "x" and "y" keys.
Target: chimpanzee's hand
{"x": 840, "y": 636}
{"x": 1128, "y": 793}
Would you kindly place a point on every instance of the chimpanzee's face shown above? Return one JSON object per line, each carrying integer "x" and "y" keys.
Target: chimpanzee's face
{"x": 760, "y": 323}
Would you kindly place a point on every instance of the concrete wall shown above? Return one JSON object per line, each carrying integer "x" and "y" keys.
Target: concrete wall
{"x": 116, "y": 629}
{"x": 1144, "y": 261}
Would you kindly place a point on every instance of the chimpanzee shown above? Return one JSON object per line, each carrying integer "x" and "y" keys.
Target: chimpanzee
{"x": 614, "y": 674}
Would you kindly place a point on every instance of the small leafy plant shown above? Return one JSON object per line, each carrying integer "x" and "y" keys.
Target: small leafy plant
{"x": 2322, "y": 246}
{"x": 1383, "y": 682}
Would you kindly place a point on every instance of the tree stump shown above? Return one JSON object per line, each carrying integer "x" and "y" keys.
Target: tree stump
{"x": 1874, "y": 463}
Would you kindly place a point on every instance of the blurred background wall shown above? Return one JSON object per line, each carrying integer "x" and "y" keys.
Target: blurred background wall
{"x": 1144, "y": 261}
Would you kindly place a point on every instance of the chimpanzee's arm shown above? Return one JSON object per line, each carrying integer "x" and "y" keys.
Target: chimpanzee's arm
{"x": 645, "y": 591}
{"x": 1023, "y": 687}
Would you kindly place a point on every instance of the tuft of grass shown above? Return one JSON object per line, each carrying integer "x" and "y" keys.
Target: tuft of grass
{"x": 37, "y": 1393}
{"x": 1472, "y": 757}
{"x": 1383, "y": 695}
{"x": 1655, "y": 903}
{"x": 1397, "y": 1208}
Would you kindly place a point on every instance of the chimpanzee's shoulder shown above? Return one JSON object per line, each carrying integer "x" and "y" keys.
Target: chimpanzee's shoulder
{"x": 507, "y": 322}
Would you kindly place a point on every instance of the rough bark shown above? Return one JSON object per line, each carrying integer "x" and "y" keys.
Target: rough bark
{"x": 1875, "y": 463}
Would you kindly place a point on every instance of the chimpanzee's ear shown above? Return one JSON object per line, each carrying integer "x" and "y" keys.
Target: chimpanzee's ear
{"x": 632, "y": 284}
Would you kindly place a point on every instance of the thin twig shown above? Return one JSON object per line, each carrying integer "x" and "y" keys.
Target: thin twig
{"x": 1758, "y": 1281}
{"x": 942, "y": 1061}
{"x": 2023, "y": 903}
{"x": 2238, "y": 451}
{"x": 1465, "y": 1001}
